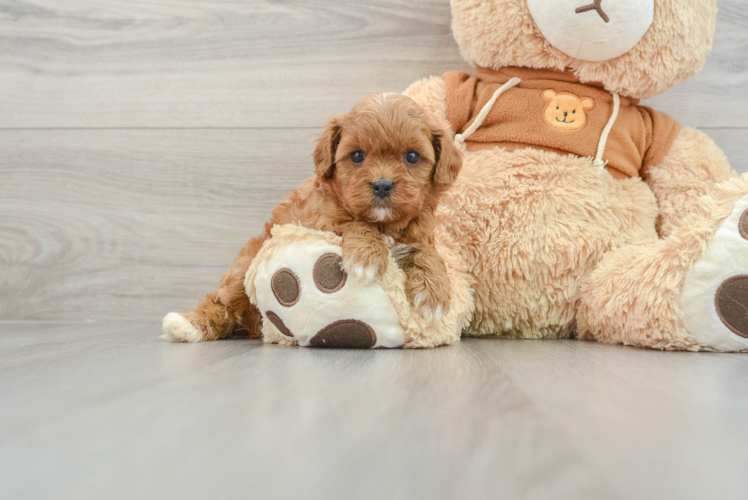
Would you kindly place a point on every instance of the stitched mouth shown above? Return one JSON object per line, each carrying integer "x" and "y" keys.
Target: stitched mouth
{"x": 564, "y": 121}
{"x": 596, "y": 6}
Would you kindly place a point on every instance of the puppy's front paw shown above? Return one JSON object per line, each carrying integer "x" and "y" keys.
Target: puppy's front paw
{"x": 177, "y": 328}
{"x": 366, "y": 262}
{"x": 430, "y": 297}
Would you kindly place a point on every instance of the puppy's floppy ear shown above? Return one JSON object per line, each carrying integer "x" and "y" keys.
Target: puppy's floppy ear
{"x": 447, "y": 158}
{"x": 325, "y": 149}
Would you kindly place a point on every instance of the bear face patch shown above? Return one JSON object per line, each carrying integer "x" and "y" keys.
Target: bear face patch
{"x": 566, "y": 111}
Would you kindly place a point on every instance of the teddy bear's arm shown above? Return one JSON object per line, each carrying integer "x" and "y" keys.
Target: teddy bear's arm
{"x": 692, "y": 168}
{"x": 431, "y": 94}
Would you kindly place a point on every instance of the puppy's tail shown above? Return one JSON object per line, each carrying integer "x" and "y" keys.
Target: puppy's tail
{"x": 220, "y": 314}
{"x": 217, "y": 316}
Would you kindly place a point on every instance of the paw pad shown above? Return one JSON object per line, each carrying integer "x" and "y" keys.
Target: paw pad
{"x": 743, "y": 225}
{"x": 278, "y": 323}
{"x": 345, "y": 333}
{"x": 731, "y": 301}
{"x": 286, "y": 287}
{"x": 328, "y": 273}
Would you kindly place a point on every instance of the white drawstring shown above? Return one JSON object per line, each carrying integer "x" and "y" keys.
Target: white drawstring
{"x": 599, "y": 163}
{"x": 460, "y": 138}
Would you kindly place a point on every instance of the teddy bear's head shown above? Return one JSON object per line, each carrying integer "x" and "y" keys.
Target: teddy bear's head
{"x": 637, "y": 48}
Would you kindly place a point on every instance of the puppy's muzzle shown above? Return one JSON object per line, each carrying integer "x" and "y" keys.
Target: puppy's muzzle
{"x": 382, "y": 188}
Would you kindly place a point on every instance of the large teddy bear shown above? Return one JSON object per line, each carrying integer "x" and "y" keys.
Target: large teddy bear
{"x": 577, "y": 213}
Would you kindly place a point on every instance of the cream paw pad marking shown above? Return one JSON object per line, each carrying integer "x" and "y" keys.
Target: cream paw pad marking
{"x": 715, "y": 293}
{"x": 305, "y": 297}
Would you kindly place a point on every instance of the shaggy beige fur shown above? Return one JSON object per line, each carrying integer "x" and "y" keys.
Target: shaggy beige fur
{"x": 532, "y": 225}
{"x": 691, "y": 169}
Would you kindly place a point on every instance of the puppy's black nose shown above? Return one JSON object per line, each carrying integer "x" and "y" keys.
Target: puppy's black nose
{"x": 382, "y": 188}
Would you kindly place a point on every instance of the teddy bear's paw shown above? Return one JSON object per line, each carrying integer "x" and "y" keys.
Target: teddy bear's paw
{"x": 715, "y": 292}
{"x": 177, "y": 328}
{"x": 303, "y": 290}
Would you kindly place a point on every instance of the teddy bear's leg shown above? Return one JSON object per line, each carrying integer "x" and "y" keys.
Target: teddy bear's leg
{"x": 218, "y": 313}
{"x": 692, "y": 168}
{"x": 688, "y": 291}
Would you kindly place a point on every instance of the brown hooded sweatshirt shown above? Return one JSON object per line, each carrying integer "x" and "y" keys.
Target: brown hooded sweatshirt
{"x": 552, "y": 111}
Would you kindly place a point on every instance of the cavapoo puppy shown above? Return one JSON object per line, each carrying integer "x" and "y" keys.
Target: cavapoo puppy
{"x": 380, "y": 170}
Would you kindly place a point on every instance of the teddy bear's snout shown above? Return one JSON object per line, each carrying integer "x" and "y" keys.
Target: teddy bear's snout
{"x": 592, "y": 30}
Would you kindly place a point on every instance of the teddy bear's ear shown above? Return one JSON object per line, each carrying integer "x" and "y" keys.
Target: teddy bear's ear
{"x": 588, "y": 103}
{"x": 549, "y": 95}
{"x": 325, "y": 149}
{"x": 447, "y": 158}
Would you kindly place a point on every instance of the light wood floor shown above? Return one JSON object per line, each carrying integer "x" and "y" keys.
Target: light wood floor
{"x": 107, "y": 410}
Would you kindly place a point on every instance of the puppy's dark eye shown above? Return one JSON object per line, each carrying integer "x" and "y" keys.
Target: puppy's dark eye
{"x": 358, "y": 157}
{"x": 412, "y": 158}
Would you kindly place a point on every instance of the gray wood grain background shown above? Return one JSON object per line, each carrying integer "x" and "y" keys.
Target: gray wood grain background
{"x": 142, "y": 143}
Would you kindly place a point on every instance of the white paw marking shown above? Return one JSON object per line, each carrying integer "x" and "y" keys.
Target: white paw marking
{"x": 438, "y": 314}
{"x": 726, "y": 256}
{"x": 357, "y": 271}
{"x": 371, "y": 273}
{"x": 176, "y": 328}
{"x": 434, "y": 316}
{"x": 365, "y": 273}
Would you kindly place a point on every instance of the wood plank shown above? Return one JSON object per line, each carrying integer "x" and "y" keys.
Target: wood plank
{"x": 713, "y": 98}
{"x": 114, "y": 223}
{"x": 108, "y": 223}
{"x": 734, "y": 143}
{"x": 176, "y": 63}
{"x": 92, "y": 406}
{"x": 171, "y": 63}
